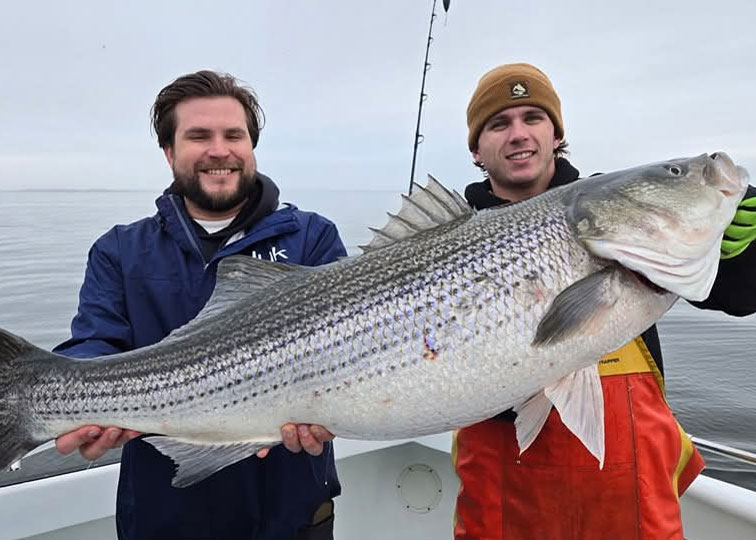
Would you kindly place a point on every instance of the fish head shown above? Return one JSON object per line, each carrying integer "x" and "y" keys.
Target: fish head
{"x": 664, "y": 221}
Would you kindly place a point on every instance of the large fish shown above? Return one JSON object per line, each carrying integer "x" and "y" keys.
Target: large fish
{"x": 449, "y": 317}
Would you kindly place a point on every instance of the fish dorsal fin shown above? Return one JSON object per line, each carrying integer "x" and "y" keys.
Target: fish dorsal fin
{"x": 238, "y": 277}
{"x": 196, "y": 461}
{"x": 426, "y": 208}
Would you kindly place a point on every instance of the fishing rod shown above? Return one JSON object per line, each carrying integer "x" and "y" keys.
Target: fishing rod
{"x": 423, "y": 96}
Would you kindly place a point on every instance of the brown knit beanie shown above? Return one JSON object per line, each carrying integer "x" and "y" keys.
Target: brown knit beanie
{"x": 507, "y": 86}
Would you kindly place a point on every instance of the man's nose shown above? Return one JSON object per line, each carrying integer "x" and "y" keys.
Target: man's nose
{"x": 518, "y": 130}
{"x": 218, "y": 148}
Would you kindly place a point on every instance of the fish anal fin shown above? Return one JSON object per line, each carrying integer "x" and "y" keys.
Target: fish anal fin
{"x": 196, "y": 461}
{"x": 531, "y": 416}
{"x": 579, "y": 399}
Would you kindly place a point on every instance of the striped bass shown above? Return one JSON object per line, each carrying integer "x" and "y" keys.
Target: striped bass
{"x": 448, "y": 317}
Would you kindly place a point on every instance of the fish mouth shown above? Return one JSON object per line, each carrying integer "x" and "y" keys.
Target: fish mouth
{"x": 722, "y": 174}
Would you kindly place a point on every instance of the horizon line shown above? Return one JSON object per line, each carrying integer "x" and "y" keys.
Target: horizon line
{"x": 28, "y": 190}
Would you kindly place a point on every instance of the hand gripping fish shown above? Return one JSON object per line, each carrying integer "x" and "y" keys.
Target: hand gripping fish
{"x": 448, "y": 317}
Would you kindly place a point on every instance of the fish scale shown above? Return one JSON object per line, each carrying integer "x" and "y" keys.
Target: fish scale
{"x": 362, "y": 294}
{"x": 425, "y": 332}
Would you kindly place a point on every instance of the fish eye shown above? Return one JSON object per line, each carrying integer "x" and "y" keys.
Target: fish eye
{"x": 674, "y": 169}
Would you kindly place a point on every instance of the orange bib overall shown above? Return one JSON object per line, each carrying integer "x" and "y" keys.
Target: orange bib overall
{"x": 555, "y": 490}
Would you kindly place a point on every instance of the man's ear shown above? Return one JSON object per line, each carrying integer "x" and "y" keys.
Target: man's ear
{"x": 557, "y": 140}
{"x": 168, "y": 151}
{"x": 476, "y": 156}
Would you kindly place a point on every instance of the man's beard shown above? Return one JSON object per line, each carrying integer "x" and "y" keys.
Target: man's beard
{"x": 189, "y": 186}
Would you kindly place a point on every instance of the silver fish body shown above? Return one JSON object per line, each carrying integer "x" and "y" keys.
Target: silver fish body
{"x": 421, "y": 334}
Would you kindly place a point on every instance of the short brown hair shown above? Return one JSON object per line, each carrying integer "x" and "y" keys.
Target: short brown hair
{"x": 203, "y": 83}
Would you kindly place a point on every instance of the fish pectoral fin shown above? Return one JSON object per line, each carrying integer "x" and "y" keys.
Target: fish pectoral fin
{"x": 579, "y": 399}
{"x": 196, "y": 461}
{"x": 580, "y": 307}
{"x": 531, "y": 416}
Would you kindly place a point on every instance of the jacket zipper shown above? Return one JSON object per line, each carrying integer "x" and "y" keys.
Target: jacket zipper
{"x": 188, "y": 232}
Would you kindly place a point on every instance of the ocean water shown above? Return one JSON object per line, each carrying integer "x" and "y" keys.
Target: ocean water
{"x": 709, "y": 358}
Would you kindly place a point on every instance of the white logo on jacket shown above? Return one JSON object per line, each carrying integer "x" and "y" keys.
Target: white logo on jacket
{"x": 273, "y": 255}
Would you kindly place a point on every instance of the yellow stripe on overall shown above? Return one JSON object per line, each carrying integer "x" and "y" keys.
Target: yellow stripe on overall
{"x": 634, "y": 357}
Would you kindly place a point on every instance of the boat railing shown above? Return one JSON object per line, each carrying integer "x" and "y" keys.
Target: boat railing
{"x": 702, "y": 444}
{"x": 724, "y": 450}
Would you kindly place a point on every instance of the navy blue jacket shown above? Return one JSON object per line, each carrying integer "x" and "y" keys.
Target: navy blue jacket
{"x": 144, "y": 280}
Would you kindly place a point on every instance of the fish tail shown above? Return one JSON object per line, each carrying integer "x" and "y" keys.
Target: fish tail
{"x": 15, "y": 436}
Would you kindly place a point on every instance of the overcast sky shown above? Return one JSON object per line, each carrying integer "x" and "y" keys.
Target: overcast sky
{"x": 339, "y": 80}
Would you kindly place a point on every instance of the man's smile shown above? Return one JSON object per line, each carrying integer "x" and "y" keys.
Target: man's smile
{"x": 218, "y": 172}
{"x": 521, "y": 155}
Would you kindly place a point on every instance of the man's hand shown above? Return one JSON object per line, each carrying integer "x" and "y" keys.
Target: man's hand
{"x": 742, "y": 231}
{"x": 297, "y": 437}
{"x": 93, "y": 441}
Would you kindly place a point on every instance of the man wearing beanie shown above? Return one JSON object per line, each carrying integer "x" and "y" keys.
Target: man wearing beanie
{"x": 555, "y": 489}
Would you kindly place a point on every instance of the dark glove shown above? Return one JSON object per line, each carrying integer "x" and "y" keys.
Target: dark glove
{"x": 742, "y": 231}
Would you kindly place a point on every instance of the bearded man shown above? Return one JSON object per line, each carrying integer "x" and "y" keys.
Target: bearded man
{"x": 145, "y": 279}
